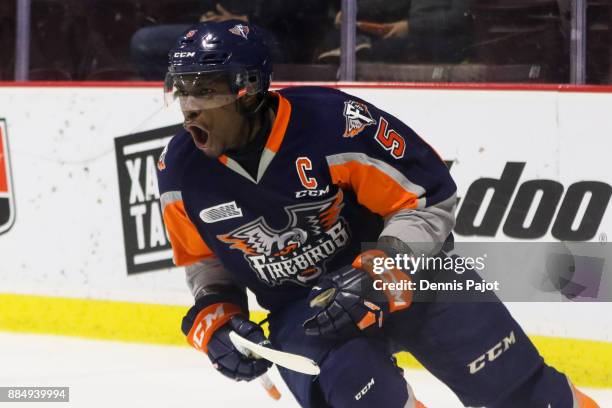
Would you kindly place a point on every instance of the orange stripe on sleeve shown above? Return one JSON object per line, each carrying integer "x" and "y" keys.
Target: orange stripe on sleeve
{"x": 374, "y": 188}
{"x": 187, "y": 244}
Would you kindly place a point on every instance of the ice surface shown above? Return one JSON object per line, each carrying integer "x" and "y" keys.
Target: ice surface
{"x": 111, "y": 374}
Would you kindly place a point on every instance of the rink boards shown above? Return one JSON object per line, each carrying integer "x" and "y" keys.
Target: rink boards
{"x": 85, "y": 220}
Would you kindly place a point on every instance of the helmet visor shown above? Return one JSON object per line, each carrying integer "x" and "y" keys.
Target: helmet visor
{"x": 202, "y": 90}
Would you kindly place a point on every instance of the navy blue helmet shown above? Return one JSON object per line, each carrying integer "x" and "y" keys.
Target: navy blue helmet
{"x": 214, "y": 63}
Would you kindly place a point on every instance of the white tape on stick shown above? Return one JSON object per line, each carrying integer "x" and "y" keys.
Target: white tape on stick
{"x": 291, "y": 361}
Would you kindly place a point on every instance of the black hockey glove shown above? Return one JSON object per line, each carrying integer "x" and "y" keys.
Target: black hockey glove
{"x": 349, "y": 302}
{"x": 231, "y": 362}
{"x": 209, "y": 333}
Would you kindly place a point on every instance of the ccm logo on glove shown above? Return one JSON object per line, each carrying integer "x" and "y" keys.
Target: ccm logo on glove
{"x": 208, "y": 321}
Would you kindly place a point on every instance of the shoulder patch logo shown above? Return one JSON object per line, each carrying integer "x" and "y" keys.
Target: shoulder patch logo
{"x": 240, "y": 30}
{"x": 220, "y": 212}
{"x": 357, "y": 116}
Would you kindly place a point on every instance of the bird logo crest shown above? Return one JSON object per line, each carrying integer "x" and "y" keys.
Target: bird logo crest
{"x": 297, "y": 253}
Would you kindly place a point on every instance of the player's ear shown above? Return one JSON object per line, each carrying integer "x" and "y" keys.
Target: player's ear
{"x": 250, "y": 103}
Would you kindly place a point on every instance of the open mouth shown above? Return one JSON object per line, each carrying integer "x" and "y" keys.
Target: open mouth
{"x": 198, "y": 134}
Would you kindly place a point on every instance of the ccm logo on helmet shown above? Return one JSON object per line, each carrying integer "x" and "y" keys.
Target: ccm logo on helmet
{"x": 184, "y": 54}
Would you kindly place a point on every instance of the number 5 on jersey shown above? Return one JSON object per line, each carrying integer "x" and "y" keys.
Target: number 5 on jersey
{"x": 390, "y": 140}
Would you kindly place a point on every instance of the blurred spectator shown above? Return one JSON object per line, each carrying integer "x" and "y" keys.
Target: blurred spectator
{"x": 7, "y": 39}
{"x": 599, "y": 42}
{"x": 52, "y": 55}
{"x": 129, "y": 39}
{"x": 426, "y": 31}
{"x": 527, "y": 33}
{"x": 81, "y": 39}
{"x": 294, "y": 28}
{"x": 108, "y": 27}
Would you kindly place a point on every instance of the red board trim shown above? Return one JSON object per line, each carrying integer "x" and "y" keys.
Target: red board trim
{"x": 356, "y": 85}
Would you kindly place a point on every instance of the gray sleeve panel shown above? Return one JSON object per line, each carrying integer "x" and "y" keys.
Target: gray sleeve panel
{"x": 204, "y": 274}
{"x": 424, "y": 230}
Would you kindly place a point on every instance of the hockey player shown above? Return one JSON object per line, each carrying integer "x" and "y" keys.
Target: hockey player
{"x": 276, "y": 192}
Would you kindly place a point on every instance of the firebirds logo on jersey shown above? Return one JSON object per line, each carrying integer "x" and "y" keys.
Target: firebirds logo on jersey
{"x": 357, "y": 118}
{"x": 298, "y": 252}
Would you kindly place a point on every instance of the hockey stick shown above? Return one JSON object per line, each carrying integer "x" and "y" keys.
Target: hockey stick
{"x": 265, "y": 381}
{"x": 291, "y": 361}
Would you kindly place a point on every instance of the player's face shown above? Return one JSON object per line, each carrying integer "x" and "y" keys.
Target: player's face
{"x": 217, "y": 130}
{"x": 212, "y": 119}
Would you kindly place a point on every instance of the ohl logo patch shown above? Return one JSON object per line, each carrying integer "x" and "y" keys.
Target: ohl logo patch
{"x": 7, "y": 199}
{"x": 298, "y": 252}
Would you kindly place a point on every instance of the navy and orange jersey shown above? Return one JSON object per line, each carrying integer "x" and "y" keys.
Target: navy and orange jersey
{"x": 333, "y": 169}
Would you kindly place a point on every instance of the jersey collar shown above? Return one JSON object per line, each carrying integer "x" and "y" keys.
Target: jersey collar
{"x": 275, "y": 139}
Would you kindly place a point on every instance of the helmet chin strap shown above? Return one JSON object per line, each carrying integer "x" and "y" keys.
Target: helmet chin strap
{"x": 251, "y": 115}
{"x": 261, "y": 104}
{"x": 246, "y": 112}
